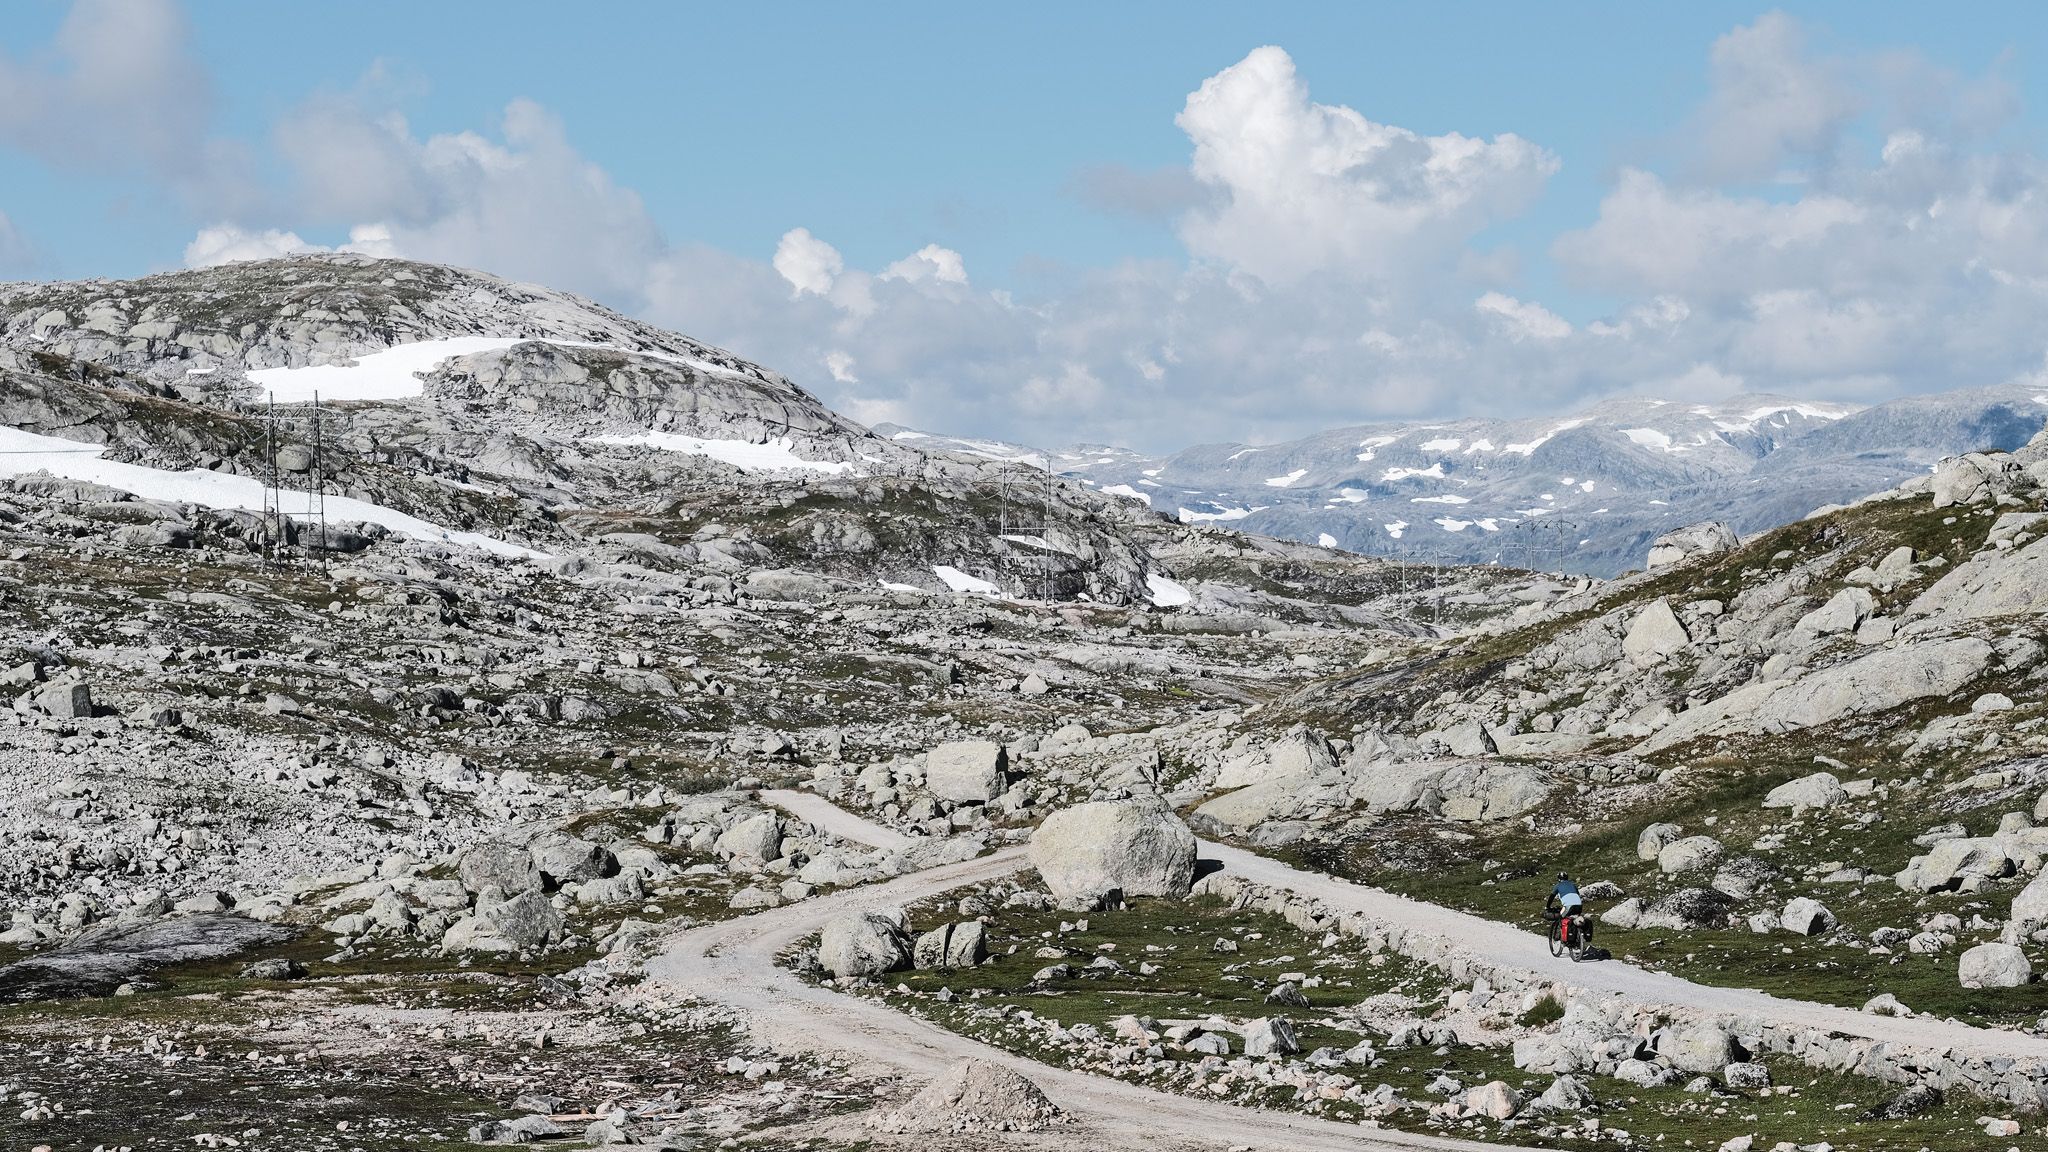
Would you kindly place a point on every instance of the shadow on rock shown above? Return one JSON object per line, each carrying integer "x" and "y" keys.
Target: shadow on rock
{"x": 101, "y": 960}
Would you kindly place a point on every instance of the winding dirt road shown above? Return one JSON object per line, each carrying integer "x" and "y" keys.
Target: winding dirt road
{"x": 733, "y": 962}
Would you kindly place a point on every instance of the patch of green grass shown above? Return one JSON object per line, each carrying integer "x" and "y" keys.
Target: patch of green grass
{"x": 1504, "y": 871}
{"x": 1196, "y": 981}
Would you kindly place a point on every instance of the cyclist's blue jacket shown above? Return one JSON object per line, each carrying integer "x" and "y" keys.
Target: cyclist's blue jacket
{"x": 1567, "y": 894}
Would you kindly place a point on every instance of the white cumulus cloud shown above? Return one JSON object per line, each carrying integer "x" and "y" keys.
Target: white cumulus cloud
{"x": 1306, "y": 187}
{"x": 808, "y": 263}
{"x": 930, "y": 262}
{"x": 1522, "y": 320}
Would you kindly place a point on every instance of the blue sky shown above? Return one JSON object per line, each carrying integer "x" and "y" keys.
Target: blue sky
{"x": 1107, "y": 288}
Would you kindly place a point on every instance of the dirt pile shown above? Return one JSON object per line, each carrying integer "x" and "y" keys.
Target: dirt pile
{"x": 974, "y": 1096}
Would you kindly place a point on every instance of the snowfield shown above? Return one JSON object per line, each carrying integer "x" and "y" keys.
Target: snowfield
{"x": 775, "y": 456}
{"x": 22, "y": 453}
{"x": 394, "y": 374}
{"x": 1167, "y": 592}
{"x": 1190, "y": 516}
{"x": 960, "y": 581}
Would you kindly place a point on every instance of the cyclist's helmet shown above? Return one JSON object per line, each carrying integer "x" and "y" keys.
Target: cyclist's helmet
{"x": 1564, "y": 876}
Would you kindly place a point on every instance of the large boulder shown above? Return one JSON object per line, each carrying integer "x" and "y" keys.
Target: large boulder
{"x": 1742, "y": 876}
{"x": 507, "y": 867}
{"x": 1691, "y": 854}
{"x": 2029, "y": 909}
{"x": 1654, "y": 635}
{"x": 1301, "y": 752}
{"x": 1705, "y": 1047}
{"x": 1962, "y": 863}
{"x": 757, "y": 838}
{"x": 1651, "y": 841}
{"x": 1972, "y": 478}
{"x": 967, "y": 771}
{"x": 1494, "y": 1100}
{"x": 1270, "y": 1036}
{"x": 1806, "y": 916}
{"x": 1820, "y": 790}
{"x": 525, "y": 923}
{"x": 71, "y": 701}
{"x": 1843, "y": 612}
{"x": 1456, "y": 790}
{"x": 1475, "y": 792}
{"x": 1685, "y": 909}
{"x": 1257, "y": 805}
{"x": 1137, "y": 846}
{"x": 1994, "y": 966}
{"x": 864, "y": 944}
{"x": 563, "y": 859}
{"x": 1692, "y": 542}
{"x": 951, "y": 946}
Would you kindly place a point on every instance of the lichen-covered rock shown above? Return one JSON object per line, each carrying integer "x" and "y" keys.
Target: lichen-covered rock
{"x": 1806, "y": 916}
{"x": 864, "y": 944}
{"x": 562, "y": 859}
{"x": 524, "y": 923}
{"x": 1691, "y": 854}
{"x": 1138, "y": 847}
{"x": 1686, "y": 908}
{"x": 757, "y": 838}
{"x": 1654, "y": 635}
{"x": 966, "y": 771}
{"x": 507, "y": 867}
{"x": 1650, "y": 841}
{"x": 1692, "y": 542}
{"x": 1818, "y": 791}
{"x": 1994, "y": 966}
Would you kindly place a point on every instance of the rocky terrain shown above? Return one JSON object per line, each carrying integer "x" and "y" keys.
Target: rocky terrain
{"x": 426, "y": 822}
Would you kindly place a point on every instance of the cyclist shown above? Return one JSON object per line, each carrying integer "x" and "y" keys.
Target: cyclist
{"x": 1565, "y": 899}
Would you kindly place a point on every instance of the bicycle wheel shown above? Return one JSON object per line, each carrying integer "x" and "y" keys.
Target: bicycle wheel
{"x": 1576, "y": 945}
{"x": 1556, "y": 937}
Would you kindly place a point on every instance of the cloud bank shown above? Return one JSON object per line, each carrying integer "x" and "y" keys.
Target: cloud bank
{"x": 1834, "y": 225}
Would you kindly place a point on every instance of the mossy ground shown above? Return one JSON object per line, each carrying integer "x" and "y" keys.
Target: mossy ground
{"x": 1195, "y": 982}
{"x": 1505, "y": 871}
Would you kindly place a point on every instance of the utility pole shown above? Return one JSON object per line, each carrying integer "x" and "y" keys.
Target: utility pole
{"x": 1564, "y": 527}
{"x": 320, "y": 473}
{"x": 270, "y": 493}
{"x": 1045, "y": 560}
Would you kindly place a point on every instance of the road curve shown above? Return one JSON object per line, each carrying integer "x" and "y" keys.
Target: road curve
{"x": 1518, "y": 948}
{"x": 733, "y": 963}
{"x": 1521, "y": 949}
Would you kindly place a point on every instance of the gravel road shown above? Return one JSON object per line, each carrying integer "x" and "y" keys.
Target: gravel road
{"x": 733, "y": 962}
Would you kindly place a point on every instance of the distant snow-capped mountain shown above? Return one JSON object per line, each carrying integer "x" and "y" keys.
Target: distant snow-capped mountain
{"x": 1585, "y": 492}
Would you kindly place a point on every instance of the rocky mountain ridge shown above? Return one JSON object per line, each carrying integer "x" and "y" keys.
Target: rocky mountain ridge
{"x": 1586, "y": 492}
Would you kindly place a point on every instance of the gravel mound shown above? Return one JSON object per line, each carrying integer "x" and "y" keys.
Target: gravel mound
{"x": 974, "y": 1096}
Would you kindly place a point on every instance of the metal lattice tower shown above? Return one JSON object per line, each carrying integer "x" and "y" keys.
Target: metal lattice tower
{"x": 305, "y": 425}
